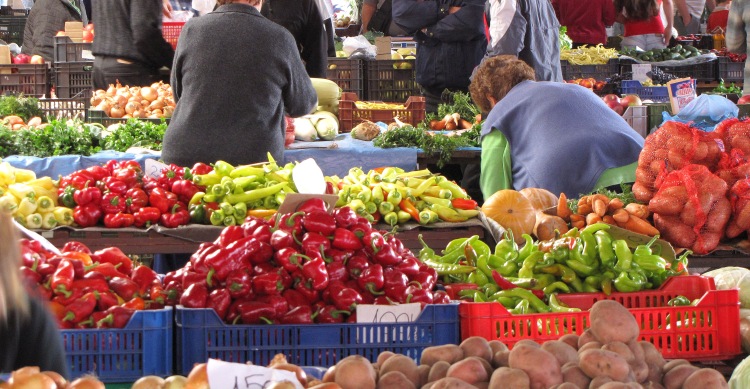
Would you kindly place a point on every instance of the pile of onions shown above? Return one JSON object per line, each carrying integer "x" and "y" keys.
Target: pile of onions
{"x": 119, "y": 101}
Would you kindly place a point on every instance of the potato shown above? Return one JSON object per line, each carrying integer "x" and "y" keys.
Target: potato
{"x": 330, "y": 374}
{"x": 438, "y": 371}
{"x": 585, "y": 337}
{"x": 674, "y": 363}
{"x": 451, "y": 383}
{"x": 496, "y": 345}
{"x": 395, "y": 380}
{"x": 562, "y": 351}
{"x": 487, "y": 367}
{"x": 597, "y": 382}
{"x": 469, "y": 370}
{"x": 405, "y": 365}
{"x": 705, "y": 378}
{"x": 355, "y": 372}
{"x": 675, "y": 377}
{"x": 640, "y": 371}
{"x": 599, "y": 362}
{"x": 482, "y": 385}
{"x": 611, "y": 321}
{"x": 527, "y": 342}
{"x": 500, "y": 358}
{"x": 593, "y": 345}
{"x": 651, "y": 354}
{"x": 571, "y": 339}
{"x": 506, "y": 377}
{"x": 477, "y": 346}
{"x": 652, "y": 385}
{"x": 450, "y": 353}
{"x": 620, "y": 385}
{"x": 424, "y": 373}
{"x": 655, "y": 373}
{"x": 382, "y": 357}
{"x": 574, "y": 374}
{"x": 620, "y": 348}
{"x": 326, "y": 385}
{"x": 566, "y": 385}
{"x": 540, "y": 365}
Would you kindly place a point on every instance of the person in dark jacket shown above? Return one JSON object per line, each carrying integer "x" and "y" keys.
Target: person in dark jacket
{"x": 46, "y": 18}
{"x": 450, "y": 42}
{"x": 28, "y": 333}
{"x": 302, "y": 19}
{"x": 233, "y": 87}
{"x": 529, "y": 30}
{"x": 129, "y": 46}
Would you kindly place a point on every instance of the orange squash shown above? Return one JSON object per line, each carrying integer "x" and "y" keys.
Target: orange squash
{"x": 512, "y": 210}
{"x": 540, "y": 198}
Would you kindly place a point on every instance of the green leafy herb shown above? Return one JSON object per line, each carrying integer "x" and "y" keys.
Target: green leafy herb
{"x": 462, "y": 104}
{"x": 7, "y": 142}
{"x": 723, "y": 89}
{"x": 438, "y": 144}
{"x": 25, "y": 107}
{"x": 136, "y": 133}
{"x": 59, "y": 137}
{"x": 565, "y": 41}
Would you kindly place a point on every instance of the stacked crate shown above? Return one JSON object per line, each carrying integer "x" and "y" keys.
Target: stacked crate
{"x": 72, "y": 69}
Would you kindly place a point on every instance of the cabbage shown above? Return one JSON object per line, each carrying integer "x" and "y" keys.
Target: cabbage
{"x": 326, "y": 124}
{"x": 733, "y": 277}
{"x": 740, "y": 378}
{"x": 304, "y": 129}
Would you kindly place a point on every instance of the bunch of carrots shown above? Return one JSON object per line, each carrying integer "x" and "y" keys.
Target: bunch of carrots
{"x": 453, "y": 122}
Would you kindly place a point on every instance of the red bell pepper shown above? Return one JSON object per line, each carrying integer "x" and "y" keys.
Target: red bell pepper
{"x": 117, "y": 317}
{"x": 464, "y": 203}
{"x": 267, "y": 283}
{"x": 250, "y": 251}
{"x": 306, "y": 290}
{"x": 135, "y": 199}
{"x": 313, "y": 242}
{"x": 239, "y": 283}
{"x": 284, "y": 238}
{"x": 345, "y": 239}
{"x": 371, "y": 279}
{"x": 329, "y": 314}
{"x": 136, "y": 303}
{"x": 146, "y": 217}
{"x": 91, "y": 285}
{"x": 315, "y": 270}
{"x": 113, "y": 185}
{"x": 440, "y": 297}
{"x": 291, "y": 222}
{"x": 298, "y": 315}
{"x": 30, "y": 276}
{"x": 315, "y": 204}
{"x": 81, "y": 179}
{"x": 294, "y": 298}
{"x": 337, "y": 271}
{"x": 288, "y": 258}
{"x": 319, "y": 221}
{"x": 280, "y": 304}
{"x": 219, "y": 300}
{"x": 173, "y": 291}
{"x": 178, "y": 216}
{"x": 128, "y": 174}
{"x": 87, "y": 195}
{"x": 191, "y": 278}
{"x": 87, "y": 215}
{"x": 356, "y": 265}
{"x": 198, "y": 258}
{"x": 397, "y": 245}
{"x": 263, "y": 233}
{"x": 256, "y": 312}
{"x": 194, "y": 296}
{"x": 112, "y": 203}
{"x": 105, "y": 270}
{"x": 118, "y": 220}
{"x": 229, "y": 235}
{"x": 347, "y": 299}
{"x": 200, "y": 168}
{"x": 124, "y": 287}
{"x": 345, "y": 217}
{"x": 409, "y": 265}
{"x": 81, "y": 308}
{"x": 184, "y": 189}
{"x": 418, "y": 295}
{"x": 62, "y": 279}
{"x": 144, "y": 276}
{"x": 170, "y": 175}
{"x": 394, "y": 284}
{"x": 426, "y": 278}
{"x": 387, "y": 256}
{"x": 162, "y": 199}
{"x": 98, "y": 172}
{"x": 116, "y": 257}
{"x": 220, "y": 264}
{"x": 105, "y": 300}
{"x": 63, "y": 299}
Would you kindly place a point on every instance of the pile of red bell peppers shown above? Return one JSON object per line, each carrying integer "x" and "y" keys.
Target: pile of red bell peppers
{"x": 310, "y": 266}
{"x": 90, "y": 290}
{"x": 118, "y": 195}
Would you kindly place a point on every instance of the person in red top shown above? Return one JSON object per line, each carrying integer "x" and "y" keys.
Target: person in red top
{"x": 586, "y": 20}
{"x": 719, "y": 17}
{"x": 643, "y": 24}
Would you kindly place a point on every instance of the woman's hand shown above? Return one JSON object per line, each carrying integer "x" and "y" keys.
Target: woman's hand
{"x": 166, "y": 9}
{"x": 687, "y": 19}
{"x": 667, "y": 35}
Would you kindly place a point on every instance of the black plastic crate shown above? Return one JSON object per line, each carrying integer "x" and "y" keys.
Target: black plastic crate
{"x": 597, "y": 72}
{"x": 68, "y": 51}
{"x": 74, "y": 79}
{"x": 28, "y": 79}
{"x": 706, "y": 71}
{"x": 74, "y": 108}
{"x": 731, "y": 71}
{"x": 392, "y": 80}
{"x": 348, "y": 74}
{"x": 12, "y": 26}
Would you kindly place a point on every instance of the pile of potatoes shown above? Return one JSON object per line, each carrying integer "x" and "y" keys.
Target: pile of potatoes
{"x": 608, "y": 355}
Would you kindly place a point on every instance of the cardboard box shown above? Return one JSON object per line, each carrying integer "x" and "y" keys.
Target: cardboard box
{"x": 5, "y": 58}
{"x": 383, "y": 46}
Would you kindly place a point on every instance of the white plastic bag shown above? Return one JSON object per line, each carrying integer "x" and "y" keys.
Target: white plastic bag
{"x": 359, "y": 43}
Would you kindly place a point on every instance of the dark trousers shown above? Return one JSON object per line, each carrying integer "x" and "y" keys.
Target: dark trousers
{"x": 109, "y": 70}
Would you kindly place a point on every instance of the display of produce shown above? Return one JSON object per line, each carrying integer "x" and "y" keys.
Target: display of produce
{"x": 592, "y": 209}
{"x": 589, "y": 83}
{"x": 321, "y": 125}
{"x": 118, "y": 101}
{"x": 392, "y": 196}
{"x": 674, "y": 53}
{"x": 588, "y": 55}
{"x": 32, "y": 201}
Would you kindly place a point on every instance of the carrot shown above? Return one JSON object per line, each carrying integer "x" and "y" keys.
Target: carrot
{"x": 609, "y": 219}
{"x": 464, "y": 124}
{"x": 584, "y": 200}
{"x": 614, "y": 204}
{"x": 437, "y": 124}
{"x": 562, "y": 207}
{"x": 592, "y": 218}
{"x": 584, "y": 209}
{"x": 641, "y": 210}
{"x": 577, "y": 218}
{"x": 621, "y": 215}
{"x": 579, "y": 224}
{"x": 638, "y": 225}
{"x": 450, "y": 125}
{"x": 600, "y": 207}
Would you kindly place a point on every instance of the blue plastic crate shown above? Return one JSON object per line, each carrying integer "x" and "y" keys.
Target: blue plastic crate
{"x": 143, "y": 347}
{"x": 200, "y": 335}
{"x": 657, "y": 94}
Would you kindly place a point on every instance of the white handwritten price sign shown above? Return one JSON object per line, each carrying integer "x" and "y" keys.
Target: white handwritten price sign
{"x": 226, "y": 375}
{"x": 154, "y": 168}
{"x": 640, "y": 71}
{"x": 384, "y": 314}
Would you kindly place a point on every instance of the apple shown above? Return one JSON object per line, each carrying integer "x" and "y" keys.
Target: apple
{"x": 36, "y": 59}
{"x": 61, "y": 33}
{"x": 745, "y": 99}
{"x": 21, "y": 59}
{"x": 611, "y": 98}
{"x": 587, "y": 83}
{"x": 619, "y": 109}
{"x": 630, "y": 100}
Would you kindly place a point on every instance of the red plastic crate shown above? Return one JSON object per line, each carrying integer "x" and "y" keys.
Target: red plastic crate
{"x": 349, "y": 115}
{"x": 171, "y": 32}
{"x": 707, "y": 331}
{"x": 28, "y": 79}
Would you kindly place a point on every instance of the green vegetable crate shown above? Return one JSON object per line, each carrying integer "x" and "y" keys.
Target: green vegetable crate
{"x": 27, "y": 79}
{"x": 655, "y": 117}
{"x": 349, "y": 115}
{"x": 348, "y": 74}
{"x": 392, "y": 80}
{"x": 704, "y": 331}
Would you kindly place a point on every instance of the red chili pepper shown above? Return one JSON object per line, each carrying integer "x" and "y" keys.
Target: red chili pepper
{"x": 239, "y": 283}
{"x": 504, "y": 284}
{"x": 146, "y": 217}
{"x": 219, "y": 300}
{"x": 200, "y": 168}
{"x": 91, "y": 285}
{"x": 117, "y": 317}
{"x": 356, "y": 265}
{"x": 184, "y": 189}
{"x": 280, "y": 304}
{"x": 81, "y": 308}
{"x": 144, "y": 276}
{"x": 294, "y": 298}
{"x": 87, "y": 215}
{"x": 178, "y": 216}
{"x": 345, "y": 239}
{"x": 66, "y": 300}
{"x": 116, "y": 257}
{"x": 113, "y": 185}
{"x": 409, "y": 208}
{"x": 394, "y": 284}
{"x": 137, "y": 303}
{"x": 418, "y": 295}
{"x": 105, "y": 300}
{"x": 313, "y": 242}
{"x": 464, "y": 203}
{"x": 162, "y": 199}
{"x": 371, "y": 279}
{"x": 328, "y": 314}
{"x": 315, "y": 204}
{"x": 347, "y": 299}
{"x": 315, "y": 270}
{"x": 319, "y": 221}
{"x": 62, "y": 279}
{"x": 118, "y": 220}
{"x": 283, "y": 238}
{"x": 256, "y": 312}
{"x": 87, "y": 195}
{"x": 104, "y": 270}
{"x": 194, "y": 296}
{"x": 135, "y": 199}
{"x": 298, "y": 315}
{"x": 74, "y": 246}
{"x": 345, "y": 217}
{"x": 267, "y": 283}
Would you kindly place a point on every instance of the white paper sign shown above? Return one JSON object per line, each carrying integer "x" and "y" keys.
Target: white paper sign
{"x": 308, "y": 178}
{"x": 640, "y": 70}
{"x": 226, "y": 375}
{"x": 401, "y": 313}
{"x": 154, "y": 168}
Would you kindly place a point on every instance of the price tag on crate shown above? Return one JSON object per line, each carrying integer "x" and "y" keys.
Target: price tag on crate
{"x": 154, "y": 168}
{"x": 640, "y": 70}
{"x": 226, "y": 375}
{"x": 401, "y": 313}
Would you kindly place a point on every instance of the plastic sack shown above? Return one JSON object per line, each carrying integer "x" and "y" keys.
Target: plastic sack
{"x": 359, "y": 44}
{"x": 705, "y": 112}
{"x": 739, "y": 198}
{"x": 691, "y": 208}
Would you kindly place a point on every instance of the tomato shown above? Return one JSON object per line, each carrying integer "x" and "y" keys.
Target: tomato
{"x": 88, "y": 36}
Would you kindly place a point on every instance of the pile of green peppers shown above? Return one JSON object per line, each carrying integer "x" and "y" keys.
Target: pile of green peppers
{"x": 587, "y": 260}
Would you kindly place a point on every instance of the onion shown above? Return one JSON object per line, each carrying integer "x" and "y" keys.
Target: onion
{"x": 116, "y": 112}
{"x": 175, "y": 382}
{"x": 96, "y": 99}
{"x": 35, "y": 121}
{"x": 86, "y": 382}
{"x": 157, "y": 85}
{"x": 149, "y": 93}
{"x": 23, "y": 372}
{"x": 104, "y": 106}
{"x": 139, "y": 113}
{"x": 111, "y": 90}
{"x": 121, "y": 100}
{"x": 148, "y": 382}
{"x": 168, "y": 111}
{"x": 131, "y": 107}
{"x": 158, "y": 112}
{"x": 34, "y": 381}
{"x": 59, "y": 379}
{"x": 198, "y": 377}
{"x": 157, "y": 104}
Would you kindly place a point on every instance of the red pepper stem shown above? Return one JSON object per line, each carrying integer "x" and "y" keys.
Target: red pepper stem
{"x": 415, "y": 282}
{"x": 109, "y": 319}
{"x": 36, "y": 264}
{"x": 371, "y": 288}
{"x": 69, "y": 316}
{"x": 209, "y": 277}
{"x": 301, "y": 256}
{"x": 265, "y": 320}
{"x": 61, "y": 289}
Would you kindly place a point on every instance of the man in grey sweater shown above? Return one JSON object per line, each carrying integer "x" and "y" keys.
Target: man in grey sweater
{"x": 234, "y": 77}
